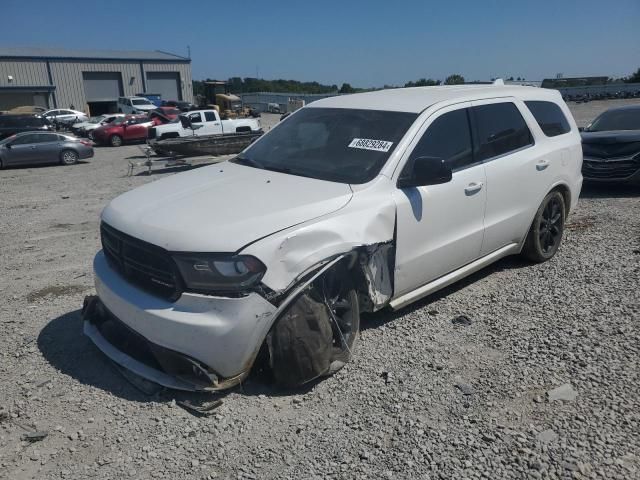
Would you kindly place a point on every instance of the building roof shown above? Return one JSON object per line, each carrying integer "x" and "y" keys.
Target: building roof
{"x": 64, "y": 53}
{"x": 417, "y": 99}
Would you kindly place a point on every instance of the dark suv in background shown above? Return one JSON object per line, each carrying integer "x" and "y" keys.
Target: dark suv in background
{"x": 12, "y": 124}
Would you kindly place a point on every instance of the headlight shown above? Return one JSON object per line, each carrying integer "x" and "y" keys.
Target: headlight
{"x": 219, "y": 272}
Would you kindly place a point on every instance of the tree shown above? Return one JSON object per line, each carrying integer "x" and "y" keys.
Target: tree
{"x": 423, "y": 82}
{"x": 346, "y": 88}
{"x": 510, "y": 79}
{"x": 635, "y": 78}
{"x": 455, "y": 79}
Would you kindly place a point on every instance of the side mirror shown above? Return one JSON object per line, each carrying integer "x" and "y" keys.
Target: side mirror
{"x": 186, "y": 122}
{"x": 426, "y": 171}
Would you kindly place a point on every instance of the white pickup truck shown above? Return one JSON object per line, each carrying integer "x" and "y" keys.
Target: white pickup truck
{"x": 203, "y": 122}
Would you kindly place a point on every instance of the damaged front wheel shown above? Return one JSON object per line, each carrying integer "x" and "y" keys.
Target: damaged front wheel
{"x": 317, "y": 334}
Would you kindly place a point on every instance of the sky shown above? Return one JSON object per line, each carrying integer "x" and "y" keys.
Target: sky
{"x": 364, "y": 43}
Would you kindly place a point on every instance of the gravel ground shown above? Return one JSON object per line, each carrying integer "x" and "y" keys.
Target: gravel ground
{"x": 542, "y": 383}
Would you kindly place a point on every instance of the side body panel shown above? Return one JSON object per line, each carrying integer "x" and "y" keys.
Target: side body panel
{"x": 439, "y": 227}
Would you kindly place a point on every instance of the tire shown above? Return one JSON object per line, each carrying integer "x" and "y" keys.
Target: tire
{"x": 68, "y": 157}
{"x": 317, "y": 334}
{"x": 545, "y": 234}
{"x": 340, "y": 297}
{"x": 115, "y": 141}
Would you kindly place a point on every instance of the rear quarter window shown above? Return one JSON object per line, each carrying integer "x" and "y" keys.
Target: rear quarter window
{"x": 550, "y": 117}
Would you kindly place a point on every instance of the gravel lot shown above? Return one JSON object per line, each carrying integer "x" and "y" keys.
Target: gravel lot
{"x": 424, "y": 397}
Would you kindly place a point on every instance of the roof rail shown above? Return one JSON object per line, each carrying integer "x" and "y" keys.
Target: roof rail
{"x": 498, "y": 81}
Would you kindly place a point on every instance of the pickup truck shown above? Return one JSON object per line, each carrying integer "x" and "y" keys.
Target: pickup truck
{"x": 203, "y": 122}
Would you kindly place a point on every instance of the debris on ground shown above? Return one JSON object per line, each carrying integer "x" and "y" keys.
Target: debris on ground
{"x": 564, "y": 393}
{"x": 465, "y": 388}
{"x": 205, "y": 408}
{"x": 461, "y": 320}
{"x": 547, "y": 436}
{"x": 34, "y": 436}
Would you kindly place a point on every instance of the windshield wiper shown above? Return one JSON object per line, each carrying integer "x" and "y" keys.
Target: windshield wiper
{"x": 249, "y": 162}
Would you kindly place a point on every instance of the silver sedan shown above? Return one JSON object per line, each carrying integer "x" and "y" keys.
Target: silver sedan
{"x": 45, "y": 147}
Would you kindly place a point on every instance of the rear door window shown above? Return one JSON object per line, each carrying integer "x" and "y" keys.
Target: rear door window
{"x": 448, "y": 138}
{"x": 500, "y": 129}
{"x": 210, "y": 116}
{"x": 550, "y": 118}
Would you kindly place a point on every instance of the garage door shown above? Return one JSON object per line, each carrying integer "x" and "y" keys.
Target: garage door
{"x": 166, "y": 84}
{"x": 102, "y": 86}
{"x": 15, "y": 99}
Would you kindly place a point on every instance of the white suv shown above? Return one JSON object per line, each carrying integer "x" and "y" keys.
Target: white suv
{"x": 135, "y": 105}
{"x": 351, "y": 204}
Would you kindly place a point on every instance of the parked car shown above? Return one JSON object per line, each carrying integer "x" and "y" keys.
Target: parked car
{"x": 273, "y": 108}
{"x": 85, "y": 129}
{"x": 611, "y": 146}
{"x": 130, "y": 128}
{"x": 180, "y": 105}
{"x": 135, "y": 105}
{"x": 12, "y": 124}
{"x": 352, "y": 204}
{"x": 42, "y": 147}
{"x": 203, "y": 122}
{"x": 29, "y": 109}
{"x": 65, "y": 117}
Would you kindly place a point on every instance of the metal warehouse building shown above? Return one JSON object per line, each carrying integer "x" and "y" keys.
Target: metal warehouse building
{"x": 89, "y": 79}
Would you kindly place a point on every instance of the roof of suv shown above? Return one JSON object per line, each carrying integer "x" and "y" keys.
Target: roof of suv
{"x": 417, "y": 99}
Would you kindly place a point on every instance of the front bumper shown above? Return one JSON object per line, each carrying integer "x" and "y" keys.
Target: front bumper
{"x": 223, "y": 334}
{"x": 625, "y": 170}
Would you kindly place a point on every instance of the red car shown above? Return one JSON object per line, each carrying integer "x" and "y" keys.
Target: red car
{"x": 130, "y": 128}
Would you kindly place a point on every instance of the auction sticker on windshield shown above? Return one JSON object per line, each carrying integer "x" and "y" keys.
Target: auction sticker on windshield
{"x": 370, "y": 144}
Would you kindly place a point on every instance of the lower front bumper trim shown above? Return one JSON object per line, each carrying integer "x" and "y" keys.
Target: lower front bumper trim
{"x": 95, "y": 315}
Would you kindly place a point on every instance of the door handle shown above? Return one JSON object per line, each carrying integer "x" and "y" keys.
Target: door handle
{"x": 542, "y": 164}
{"x": 473, "y": 188}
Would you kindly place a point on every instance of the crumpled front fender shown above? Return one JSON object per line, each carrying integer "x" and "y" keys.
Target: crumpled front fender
{"x": 369, "y": 218}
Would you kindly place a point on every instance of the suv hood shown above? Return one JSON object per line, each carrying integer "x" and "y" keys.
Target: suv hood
{"x": 613, "y": 136}
{"x": 221, "y": 208}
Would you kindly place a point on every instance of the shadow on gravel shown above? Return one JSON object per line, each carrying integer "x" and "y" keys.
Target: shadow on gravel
{"x": 39, "y": 166}
{"x": 378, "y": 319}
{"x": 598, "y": 190}
{"x": 65, "y": 347}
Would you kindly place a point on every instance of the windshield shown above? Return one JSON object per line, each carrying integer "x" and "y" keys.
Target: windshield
{"x": 334, "y": 144}
{"x": 141, "y": 101}
{"x": 616, "y": 120}
{"x": 97, "y": 119}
